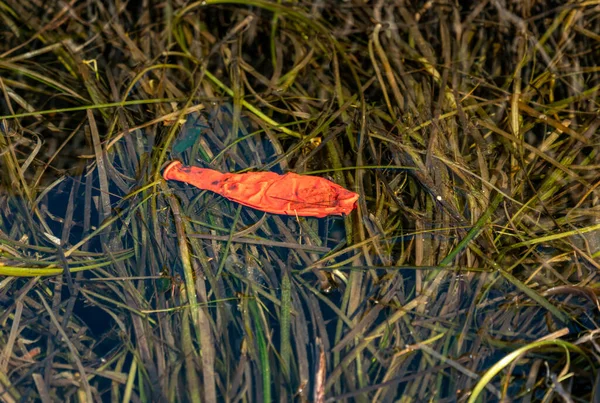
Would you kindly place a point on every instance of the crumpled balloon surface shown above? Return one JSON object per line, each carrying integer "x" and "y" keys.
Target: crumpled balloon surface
{"x": 289, "y": 194}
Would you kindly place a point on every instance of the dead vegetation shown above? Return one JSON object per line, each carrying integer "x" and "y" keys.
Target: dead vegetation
{"x": 469, "y": 269}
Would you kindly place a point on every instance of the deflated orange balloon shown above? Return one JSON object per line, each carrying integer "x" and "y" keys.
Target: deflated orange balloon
{"x": 289, "y": 194}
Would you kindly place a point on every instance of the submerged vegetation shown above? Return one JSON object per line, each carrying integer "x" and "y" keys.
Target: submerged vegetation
{"x": 469, "y": 269}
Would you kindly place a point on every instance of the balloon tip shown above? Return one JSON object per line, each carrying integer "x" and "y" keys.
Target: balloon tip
{"x": 169, "y": 167}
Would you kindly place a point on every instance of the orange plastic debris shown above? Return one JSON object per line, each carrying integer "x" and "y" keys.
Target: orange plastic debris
{"x": 289, "y": 194}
